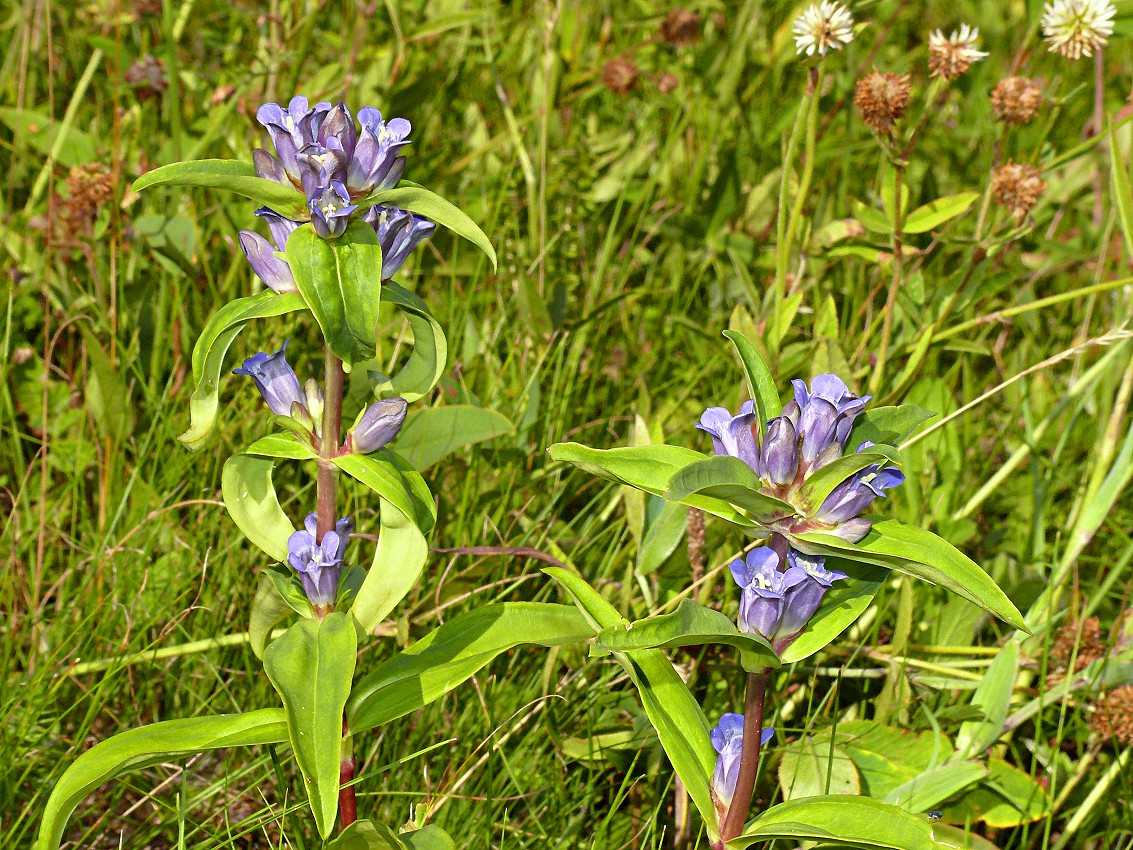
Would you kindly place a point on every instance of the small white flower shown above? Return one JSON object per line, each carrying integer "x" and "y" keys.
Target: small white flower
{"x": 1076, "y": 28}
{"x": 823, "y": 27}
{"x": 951, "y": 56}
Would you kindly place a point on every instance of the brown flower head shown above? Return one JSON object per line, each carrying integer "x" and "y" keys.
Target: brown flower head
{"x": 882, "y": 99}
{"x": 1113, "y": 716}
{"x": 146, "y": 7}
{"x": 1081, "y": 642}
{"x": 620, "y": 75}
{"x": 681, "y": 28}
{"x": 1016, "y": 100}
{"x": 147, "y": 77}
{"x": 950, "y": 56}
{"x": 1018, "y": 187}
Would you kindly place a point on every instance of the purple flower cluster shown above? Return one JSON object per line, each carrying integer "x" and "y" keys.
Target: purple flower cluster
{"x": 776, "y": 603}
{"x": 728, "y": 741}
{"x": 810, "y": 434}
{"x": 319, "y": 564}
{"x": 320, "y": 150}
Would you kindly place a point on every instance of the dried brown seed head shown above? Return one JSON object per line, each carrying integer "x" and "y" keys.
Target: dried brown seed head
{"x": 147, "y": 77}
{"x": 1078, "y": 641}
{"x": 681, "y": 28}
{"x": 882, "y": 99}
{"x": 620, "y": 75}
{"x": 1113, "y": 716}
{"x": 1018, "y": 187}
{"x": 1016, "y": 100}
{"x": 950, "y": 56}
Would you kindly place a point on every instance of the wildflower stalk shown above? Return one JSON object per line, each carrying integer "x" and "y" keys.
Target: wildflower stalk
{"x": 754, "y": 699}
{"x": 814, "y": 86}
{"x": 895, "y": 284}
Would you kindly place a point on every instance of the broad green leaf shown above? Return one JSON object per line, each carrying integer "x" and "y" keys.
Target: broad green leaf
{"x": 282, "y": 446}
{"x": 341, "y": 281}
{"x": 887, "y": 426}
{"x": 211, "y": 348}
{"x": 993, "y": 699}
{"x": 934, "y": 786}
{"x": 690, "y": 624}
{"x": 232, "y": 176}
{"x": 418, "y": 199}
{"x": 824, "y": 481}
{"x": 673, "y": 711}
{"x": 811, "y": 768}
{"x": 871, "y": 218}
{"x": 887, "y": 757}
{"x": 311, "y": 666}
{"x": 857, "y": 822}
{"x": 139, "y": 748}
{"x": 397, "y": 483}
{"x": 366, "y": 835}
{"x": 398, "y": 561}
{"x": 430, "y": 435}
{"x": 725, "y": 479}
{"x": 1007, "y": 798}
{"x": 428, "y": 837}
{"x": 841, "y": 606}
{"x": 42, "y": 133}
{"x": 453, "y": 653}
{"x": 269, "y": 609}
{"x": 249, "y": 495}
{"x": 936, "y": 213}
{"x": 919, "y": 553}
{"x": 426, "y": 363}
{"x": 647, "y": 468}
{"x": 759, "y": 379}
{"x": 663, "y": 535}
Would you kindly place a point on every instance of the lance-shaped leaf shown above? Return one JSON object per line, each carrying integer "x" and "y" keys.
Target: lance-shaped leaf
{"x": 453, "y": 653}
{"x": 936, "y": 785}
{"x": 392, "y": 478}
{"x": 842, "y": 604}
{"x": 729, "y": 481}
{"x": 842, "y": 821}
{"x": 149, "y": 745}
{"x": 211, "y": 348}
{"x": 887, "y": 426}
{"x": 824, "y": 481}
{"x": 231, "y": 176}
{"x": 283, "y": 446}
{"x": 759, "y": 378}
{"x": 341, "y": 281}
{"x": 398, "y": 561}
{"x": 418, "y": 199}
{"x": 426, "y": 363}
{"x": 311, "y": 666}
{"x": 673, "y": 711}
{"x": 992, "y": 699}
{"x": 647, "y": 468}
{"x": 430, "y": 435}
{"x": 690, "y": 624}
{"x": 248, "y": 493}
{"x": 938, "y": 212}
{"x": 916, "y": 552}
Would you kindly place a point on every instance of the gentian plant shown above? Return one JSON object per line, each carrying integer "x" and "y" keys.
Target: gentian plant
{"x": 799, "y": 478}
{"x": 342, "y": 223}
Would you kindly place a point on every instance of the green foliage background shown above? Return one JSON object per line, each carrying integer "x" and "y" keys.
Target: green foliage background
{"x": 631, "y": 228}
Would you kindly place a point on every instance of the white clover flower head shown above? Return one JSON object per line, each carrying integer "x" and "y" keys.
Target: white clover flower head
{"x": 1076, "y": 28}
{"x": 823, "y": 27}
{"x": 951, "y": 56}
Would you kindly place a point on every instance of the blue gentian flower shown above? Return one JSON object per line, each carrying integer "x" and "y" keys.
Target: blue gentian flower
{"x": 375, "y": 164}
{"x": 272, "y": 270}
{"x": 330, "y": 210}
{"x": 319, "y": 564}
{"x": 291, "y": 130}
{"x": 728, "y": 741}
{"x": 775, "y": 603}
{"x": 399, "y": 232}
{"x": 377, "y": 426}
{"x": 810, "y": 434}
{"x": 276, "y": 381}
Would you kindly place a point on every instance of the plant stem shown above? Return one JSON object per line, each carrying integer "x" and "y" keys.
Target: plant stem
{"x": 895, "y": 284}
{"x": 327, "y": 506}
{"x": 749, "y": 757}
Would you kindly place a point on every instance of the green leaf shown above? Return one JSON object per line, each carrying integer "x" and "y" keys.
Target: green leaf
{"x": 759, "y": 379}
{"x": 42, "y": 132}
{"x": 1007, "y": 798}
{"x": 846, "y": 821}
{"x": 673, "y": 711}
{"x": 430, "y": 435}
{"x": 211, "y": 348}
{"x": 662, "y": 536}
{"x": 284, "y": 446}
{"x": 232, "y": 176}
{"x": 269, "y": 609}
{"x": 453, "y": 653}
{"x": 410, "y": 196}
{"x": 395, "y": 481}
{"x": 398, "y": 561}
{"x": 887, "y": 757}
{"x": 934, "y": 786}
{"x": 690, "y": 624}
{"x": 426, "y": 363}
{"x": 992, "y": 699}
{"x": 811, "y": 767}
{"x": 647, "y": 468}
{"x": 341, "y": 281}
{"x": 149, "y": 745}
{"x": 728, "y": 480}
{"x": 936, "y": 213}
{"x": 311, "y": 666}
{"x": 429, "y": 837}
{"x": 888, "y": 426}
{"x": 249, "y": 495}
{"x": 366, "y": 835}
{"x": 841, "y": 606}
{"x": 921, "y": 554}
{"x": 871, "y": 218}
{"x": 824, "y": 481}
{"x": 107, "y": 395}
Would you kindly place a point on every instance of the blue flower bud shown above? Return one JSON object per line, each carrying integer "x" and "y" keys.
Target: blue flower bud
{"x": 275, "y": 379}
{"x": 399, "y": 233}
{"x": 377, "y": 426}
{"x": 728, "y": 741}
{"x": 330, "y": 210}
{"x": 272, "y": 270}
{"x": 319, "y": 564}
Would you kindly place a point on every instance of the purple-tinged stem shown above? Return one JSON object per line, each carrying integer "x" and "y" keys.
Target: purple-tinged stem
{"x": 749, "y": 756}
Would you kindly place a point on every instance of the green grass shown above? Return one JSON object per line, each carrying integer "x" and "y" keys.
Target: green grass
{"x": 631, "y": 230}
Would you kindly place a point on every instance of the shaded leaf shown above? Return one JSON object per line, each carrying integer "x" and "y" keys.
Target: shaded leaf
{"x": 430, "y": 435}
{"x": 249, "y": 495}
